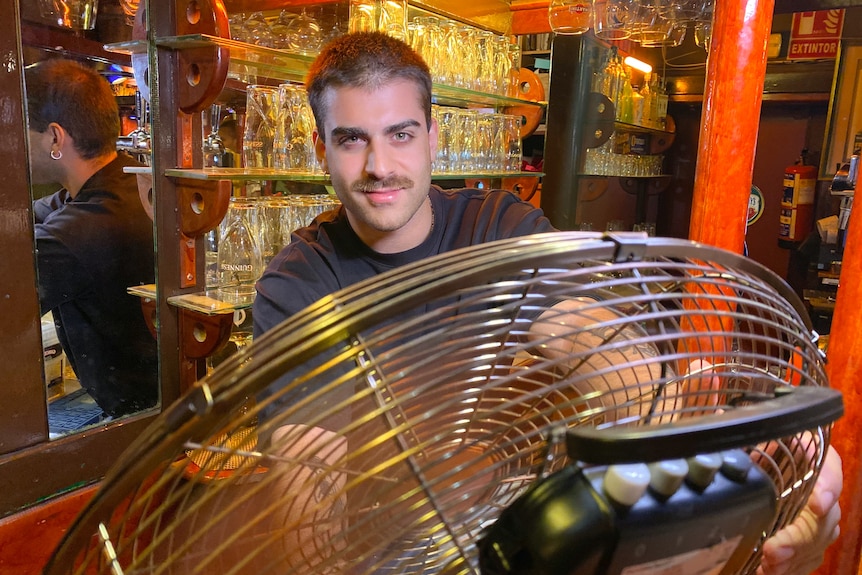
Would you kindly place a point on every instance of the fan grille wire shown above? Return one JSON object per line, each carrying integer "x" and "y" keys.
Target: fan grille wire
{"x": 440, "y": 418}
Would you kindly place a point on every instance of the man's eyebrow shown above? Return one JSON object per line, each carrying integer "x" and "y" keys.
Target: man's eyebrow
{"x": 349, "y": 132}
{"x": 394, "y": 129}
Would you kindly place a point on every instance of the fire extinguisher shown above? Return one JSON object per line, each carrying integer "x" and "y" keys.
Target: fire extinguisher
{"x": 797, "y": 203}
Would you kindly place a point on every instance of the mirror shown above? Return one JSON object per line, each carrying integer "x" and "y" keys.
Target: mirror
{"x": 95, "y": 242}
{"x": 844, "y": 130}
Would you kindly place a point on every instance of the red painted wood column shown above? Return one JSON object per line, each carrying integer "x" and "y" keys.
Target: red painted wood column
{"x": 736, "y": 68}
{"x": 844, "y": 369}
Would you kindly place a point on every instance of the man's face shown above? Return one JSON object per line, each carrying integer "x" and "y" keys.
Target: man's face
{"x": 378, "y": 151}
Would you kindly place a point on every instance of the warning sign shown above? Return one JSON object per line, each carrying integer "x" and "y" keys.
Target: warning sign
{"x": 815, "y": 35}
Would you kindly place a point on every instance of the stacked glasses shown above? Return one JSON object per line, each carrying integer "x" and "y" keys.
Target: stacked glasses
{"x": 474, "y": 142}
{"x": 253, "y": 231}
{"x": 651, "y": 23}
{"x": 278, "y": 129}
{"x": 606, "y": 161}
{"x": 388, "y": 16}
{"x": 466, "y": 57}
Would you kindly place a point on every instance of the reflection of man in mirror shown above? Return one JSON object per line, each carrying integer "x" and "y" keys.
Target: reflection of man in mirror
{"x": 228, "y": 132}
{"x": 93, "y": 238}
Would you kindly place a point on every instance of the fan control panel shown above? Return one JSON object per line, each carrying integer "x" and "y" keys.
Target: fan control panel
{"x": 704, "y": 514}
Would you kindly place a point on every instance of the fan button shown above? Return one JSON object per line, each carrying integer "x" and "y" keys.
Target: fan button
{"x": 667, "y": 476}
{"x": 702, "y": 469}
{"x": 735, "y": 464}
{"x": 625, "y": 484}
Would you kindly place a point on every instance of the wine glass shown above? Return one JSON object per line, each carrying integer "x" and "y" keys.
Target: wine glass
{"x": 305, "y": 36}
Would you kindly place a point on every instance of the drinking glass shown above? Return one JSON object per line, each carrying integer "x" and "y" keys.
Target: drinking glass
{"x": 294, "y": 126}
{"x": 447, "y": 141}
{"x": 378, "y": 15}
{"x": 260, "y": 122}
{"x": 611, "y": 19}
{"x": 512, "y": 139}
{"x": 502, "y": 65}
{"x": 258, "y": 31}
{"x": 304, "y": 36}
{"x": 469, "y": 56}
{"x": 484, "y": 143}
{"x": 302, "y": 209}
{"x": 465, "y": 130}
{"x": 273, "y": 234}
{"x": 363, "y": 16}
{"x": 281, "y": 30}
{"x": 650, "y": 23}
{"x": 485, "y": 61}
{"x": 570, "y": 16}
{"x": 499, "y": 143}
{"x": 240, "y": 262}
{"x": 393, "y": 17}
{"x": 513, "y": 88}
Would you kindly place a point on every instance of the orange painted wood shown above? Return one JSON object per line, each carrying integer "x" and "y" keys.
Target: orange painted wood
{"x": 733, "y": 92}
{"x": 28, "y": 538}
{"x": 530, "y": 18}
{"x": 844, "y": 367}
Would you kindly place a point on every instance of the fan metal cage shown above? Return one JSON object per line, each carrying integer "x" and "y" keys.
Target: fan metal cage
{"x": 383, "y": 428}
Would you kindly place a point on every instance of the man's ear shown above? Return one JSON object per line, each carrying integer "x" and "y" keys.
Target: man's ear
{"x": 58, "y": 135}
{"x": 319, "y": 149}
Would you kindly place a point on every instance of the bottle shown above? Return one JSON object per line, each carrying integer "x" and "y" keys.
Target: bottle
{"x": 648, "y": 116}
{"x": 639, "y": 106}
{"x": 624, "y": 109}
{"x": 240, "y": 262}
{"x": 660, "y": 94}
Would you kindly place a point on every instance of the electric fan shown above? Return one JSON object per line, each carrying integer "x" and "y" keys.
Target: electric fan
{"x": 451, "y": 416}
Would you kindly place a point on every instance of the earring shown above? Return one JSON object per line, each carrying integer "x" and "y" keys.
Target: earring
{"x": 56, "y": 154}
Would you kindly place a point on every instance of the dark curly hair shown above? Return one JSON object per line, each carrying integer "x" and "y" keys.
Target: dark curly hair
{"x": 78, "y": 99}
{"x": 365, "y": 60}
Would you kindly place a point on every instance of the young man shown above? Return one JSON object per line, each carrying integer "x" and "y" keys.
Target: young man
{"x": 371, "y": 98}
{"x": 94, "y": 239}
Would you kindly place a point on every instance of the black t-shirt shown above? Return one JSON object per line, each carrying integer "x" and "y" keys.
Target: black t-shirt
{"x": 91, "y": 249}
{"x": 328, "y": 255}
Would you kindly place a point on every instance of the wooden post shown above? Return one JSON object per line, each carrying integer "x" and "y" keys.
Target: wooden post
{"x": 844, "y": 369}
{"x": 736, "y": 68}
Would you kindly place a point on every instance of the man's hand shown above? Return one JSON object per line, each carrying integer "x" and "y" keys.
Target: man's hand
{"x": 798, "y": 549}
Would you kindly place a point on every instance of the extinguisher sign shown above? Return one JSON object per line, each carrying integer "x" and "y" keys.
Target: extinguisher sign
{"x": 815, "y": 35}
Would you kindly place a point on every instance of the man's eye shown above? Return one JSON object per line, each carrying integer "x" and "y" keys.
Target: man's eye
{"x": 348, "y": 140}
{"x": 402, "y": 136}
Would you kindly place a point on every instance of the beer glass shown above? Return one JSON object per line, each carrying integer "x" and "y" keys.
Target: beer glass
{"x": 260, "y": 121}
{"x": 611, "y": 19}
{"x": 570, "y": 16}
{"x": 294, "y": 146}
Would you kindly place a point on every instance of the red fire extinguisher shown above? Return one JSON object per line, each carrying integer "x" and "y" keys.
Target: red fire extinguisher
{"x": 797, "y": 203}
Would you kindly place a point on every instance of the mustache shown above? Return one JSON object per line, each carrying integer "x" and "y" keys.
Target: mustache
{"x": 385, "y": 183}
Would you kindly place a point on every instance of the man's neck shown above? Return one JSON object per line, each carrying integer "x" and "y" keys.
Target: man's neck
{"x": 402, "y": 240}
{"x": 79, "y": 170}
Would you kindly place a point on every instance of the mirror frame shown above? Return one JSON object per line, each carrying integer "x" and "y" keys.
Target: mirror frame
{"x": 32, "y": 467}
{"x": 845, "y": 109}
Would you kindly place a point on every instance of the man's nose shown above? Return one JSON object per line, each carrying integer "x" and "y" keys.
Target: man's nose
{"x": 378, "y": 162}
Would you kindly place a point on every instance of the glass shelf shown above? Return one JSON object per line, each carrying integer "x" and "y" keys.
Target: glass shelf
{"x": 249, "y": 61}
{"x": 653, "y": 176}
{"x": 209, "y": 302}
{"x": 242, "y": 174}
{"x": 147, "y": 291}
{"x": 245, "y": 174}
{"x": 637, "y": 128}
